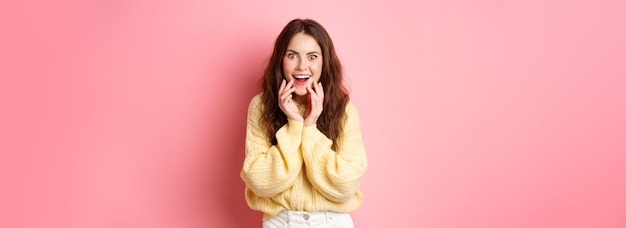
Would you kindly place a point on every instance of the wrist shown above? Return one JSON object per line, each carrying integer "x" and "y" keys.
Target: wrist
{"x": 309, "y": 122}
{"x": 297, "y": 119}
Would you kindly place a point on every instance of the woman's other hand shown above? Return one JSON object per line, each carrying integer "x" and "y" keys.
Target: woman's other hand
{"x": 316, "y": 103}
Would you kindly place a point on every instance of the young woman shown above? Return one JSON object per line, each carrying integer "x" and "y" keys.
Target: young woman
{"x": 304, "y": 152}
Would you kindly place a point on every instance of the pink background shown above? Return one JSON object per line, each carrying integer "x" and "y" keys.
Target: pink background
{"x": 474, "y": 113}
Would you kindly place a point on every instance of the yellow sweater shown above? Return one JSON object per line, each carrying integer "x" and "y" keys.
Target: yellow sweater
{"x": 302, "y": 172}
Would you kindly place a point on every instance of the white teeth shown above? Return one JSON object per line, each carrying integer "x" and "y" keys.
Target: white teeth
{"x": 302, "y": 77}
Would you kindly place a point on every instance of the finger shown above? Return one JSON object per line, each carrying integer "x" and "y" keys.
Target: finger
{"x": 313, "y": 99}
{"x": 290, "y": 84}
{"x": 286, "y": 95}
{"x": 281, "y": 88}
{"x": 316, "y": 86}
{"x": 319, "y": 93}
{"x": 320, "y": 90}
{"x": 289, "y": 88}
{"x": 311, "y": 92}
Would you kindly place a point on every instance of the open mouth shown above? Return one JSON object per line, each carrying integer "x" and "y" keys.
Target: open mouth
{"x": 301, "y": 79}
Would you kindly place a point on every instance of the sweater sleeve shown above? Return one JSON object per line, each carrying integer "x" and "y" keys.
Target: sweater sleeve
{"x": 335, "y": 174}
{"x": 270, "y": 169}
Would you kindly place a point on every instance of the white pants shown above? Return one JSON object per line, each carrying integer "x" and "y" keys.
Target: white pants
{"x": 302, "y": 219}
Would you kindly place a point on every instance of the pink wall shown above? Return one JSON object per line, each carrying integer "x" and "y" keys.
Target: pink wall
{"x": 475, "y": 113}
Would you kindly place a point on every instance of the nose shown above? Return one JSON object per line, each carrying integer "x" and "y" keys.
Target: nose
{"x": 301, "y": 65}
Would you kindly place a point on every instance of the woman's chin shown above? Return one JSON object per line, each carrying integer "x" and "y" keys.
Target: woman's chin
{"x": 301, "y": 92}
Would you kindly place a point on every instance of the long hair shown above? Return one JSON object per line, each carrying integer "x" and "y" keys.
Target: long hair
{"x": 336, "y": 95}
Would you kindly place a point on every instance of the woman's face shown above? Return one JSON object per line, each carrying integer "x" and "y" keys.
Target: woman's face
{"x": 302, "y": 62}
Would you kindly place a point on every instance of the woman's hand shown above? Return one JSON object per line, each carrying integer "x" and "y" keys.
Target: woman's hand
{"x": 316, "y": 103}
{"x": 286, "y": 103}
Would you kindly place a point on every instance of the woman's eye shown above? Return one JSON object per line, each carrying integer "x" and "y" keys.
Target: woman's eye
{"x": 312, "y": 57}
{"x": 291, "y": 55}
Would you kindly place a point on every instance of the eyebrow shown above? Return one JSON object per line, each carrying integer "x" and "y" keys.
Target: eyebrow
{"x": 313, "y": 52}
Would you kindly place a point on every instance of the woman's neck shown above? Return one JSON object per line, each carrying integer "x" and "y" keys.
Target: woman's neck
{"x": 301, "y": 100}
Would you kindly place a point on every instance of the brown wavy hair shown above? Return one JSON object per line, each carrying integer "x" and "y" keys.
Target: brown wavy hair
{"x": 336, "y": 95}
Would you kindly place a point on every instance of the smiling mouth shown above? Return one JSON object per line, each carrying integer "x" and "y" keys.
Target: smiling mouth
{"x": 301, "y": 79}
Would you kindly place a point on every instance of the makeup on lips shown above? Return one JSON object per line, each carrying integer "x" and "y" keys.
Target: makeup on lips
{"x": 301, "y": 79}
